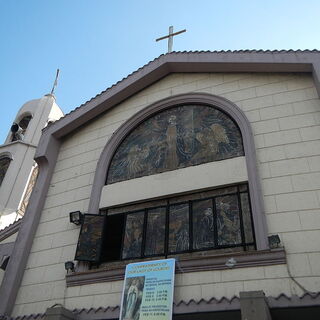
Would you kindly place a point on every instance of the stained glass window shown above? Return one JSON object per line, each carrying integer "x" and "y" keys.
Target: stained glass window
{"x": 176, "y": 138}
{"x": 4, "y": 165}
{"x": 133, "y": 235}
{"x": 178, "y": 228}
{"x": 203, "y": 224}
{"x": 228, "y": 220}
{"x": 155, "y": 234}
{"x": 90, "y": 239}
{"x": 218, "y": 219}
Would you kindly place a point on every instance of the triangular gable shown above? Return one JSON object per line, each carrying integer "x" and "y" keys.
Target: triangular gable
{"x": 186, "y": 62}
{"x": 175, "y": 62}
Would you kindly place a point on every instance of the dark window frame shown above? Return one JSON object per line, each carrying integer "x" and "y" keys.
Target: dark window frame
{"x": 166, "y": 252}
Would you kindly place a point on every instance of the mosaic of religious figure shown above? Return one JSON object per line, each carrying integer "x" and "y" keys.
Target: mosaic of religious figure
{"x": 228, "y": 220}
{"x": 203, "y": 225}
{"x": 132, "y": 298}
{"x": 133, "y": 235}
{"x": 155, "y": 234}
{"x": 179, "y": 228}
{"x": 89, "y": 243}
{"x": 176, "y": 138}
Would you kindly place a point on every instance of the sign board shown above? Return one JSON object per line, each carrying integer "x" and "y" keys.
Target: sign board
{"x": 148, "y": 290}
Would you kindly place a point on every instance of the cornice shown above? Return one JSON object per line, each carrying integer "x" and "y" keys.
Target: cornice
{"x": 193, "y": 306}
{"x": 10, "y": 230}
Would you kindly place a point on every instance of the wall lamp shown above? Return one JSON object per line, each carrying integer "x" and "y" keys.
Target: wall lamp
{"x": 274, "y": 241}
{"x": 69, "y": 266}
{"x": 76, "y": 217}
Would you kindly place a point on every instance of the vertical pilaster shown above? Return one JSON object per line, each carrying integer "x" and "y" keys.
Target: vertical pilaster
{"x": 59, "y": 313}
{"x": 254, "y": 306}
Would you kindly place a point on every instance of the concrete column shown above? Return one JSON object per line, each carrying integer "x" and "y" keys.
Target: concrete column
{"x": 59, "y": 313}
{"x": 254, "y": 306}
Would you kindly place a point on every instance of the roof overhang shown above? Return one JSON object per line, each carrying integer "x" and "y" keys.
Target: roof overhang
{"x": 184, "y": 62}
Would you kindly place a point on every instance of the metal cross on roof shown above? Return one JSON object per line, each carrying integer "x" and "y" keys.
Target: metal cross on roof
{"x": 170, "y": 37}
{"x": 55, "y": 81}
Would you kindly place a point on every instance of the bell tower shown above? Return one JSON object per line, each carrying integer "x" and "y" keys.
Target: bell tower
{"x": 18, "y": 170}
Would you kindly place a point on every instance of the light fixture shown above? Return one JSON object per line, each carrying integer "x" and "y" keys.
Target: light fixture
{"x": 69, "y": 266}
{"x": 231, "y": 262}
{"x": 76, "y": 217}
{"x": 274, "y": 241}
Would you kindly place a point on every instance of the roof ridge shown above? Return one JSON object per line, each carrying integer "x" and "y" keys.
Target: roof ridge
{"x": 241, "y": 51}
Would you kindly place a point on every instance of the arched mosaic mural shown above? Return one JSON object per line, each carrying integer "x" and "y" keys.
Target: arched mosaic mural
{"x": 176, "y": 138}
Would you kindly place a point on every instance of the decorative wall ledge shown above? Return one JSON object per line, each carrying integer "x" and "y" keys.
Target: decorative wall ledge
{"x": 186, "y": 263}
{"x": 10, "y": 230}
{"x": 192, "y": 306}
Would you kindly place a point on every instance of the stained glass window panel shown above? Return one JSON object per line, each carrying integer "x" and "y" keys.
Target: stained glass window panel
{"x": 178, "y": 227}
{"x": 133, "y": 235}
{"x": 90, "y": 239}
{"x": 155, "y": 234}
{"x": 203, "y": 224}
{"x": 246, "y": 216}
{"x": 176, "y": 138}
{"x": 228, "y": 220}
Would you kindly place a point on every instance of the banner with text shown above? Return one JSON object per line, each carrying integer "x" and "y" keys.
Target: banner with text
{"x": 148, "y": 290}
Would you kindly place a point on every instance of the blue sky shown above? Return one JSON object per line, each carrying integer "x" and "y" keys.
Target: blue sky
{"x": 95, "y": 43}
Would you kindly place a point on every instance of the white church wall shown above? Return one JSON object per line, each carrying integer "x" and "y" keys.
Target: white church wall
{"x": 284, "y": 112}
{"x": 46, "y": 109}
{"x": 212, "y": 174}
{"x": 22, "y": 154}
{"x": 16, "y": 176}
{"x": 28, "y": 108}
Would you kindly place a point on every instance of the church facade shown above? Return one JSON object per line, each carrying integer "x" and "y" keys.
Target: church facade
{"x": 211, "y": 158}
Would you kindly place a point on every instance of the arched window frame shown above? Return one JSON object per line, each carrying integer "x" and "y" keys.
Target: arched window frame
{"x": 8, "y": 156}
{"x": 220, "y": 103}
{"x": 18, "y": 121}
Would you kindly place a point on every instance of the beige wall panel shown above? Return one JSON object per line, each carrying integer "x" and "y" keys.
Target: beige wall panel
{"x": 11, "y": 238}
{"x": 284, "y": 112}
{"x": 173, "y": 182}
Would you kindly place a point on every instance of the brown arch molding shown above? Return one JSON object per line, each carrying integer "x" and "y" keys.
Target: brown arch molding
{"x": 220, "y": 103}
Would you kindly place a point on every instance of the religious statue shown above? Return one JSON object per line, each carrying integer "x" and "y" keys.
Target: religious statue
{"x": 228, "y": 225}
{"x": 133, "y": 300}
{"x": 171, "y": 134}
{"x": 210, "y": 138}
{"x": 204, "y": 238}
